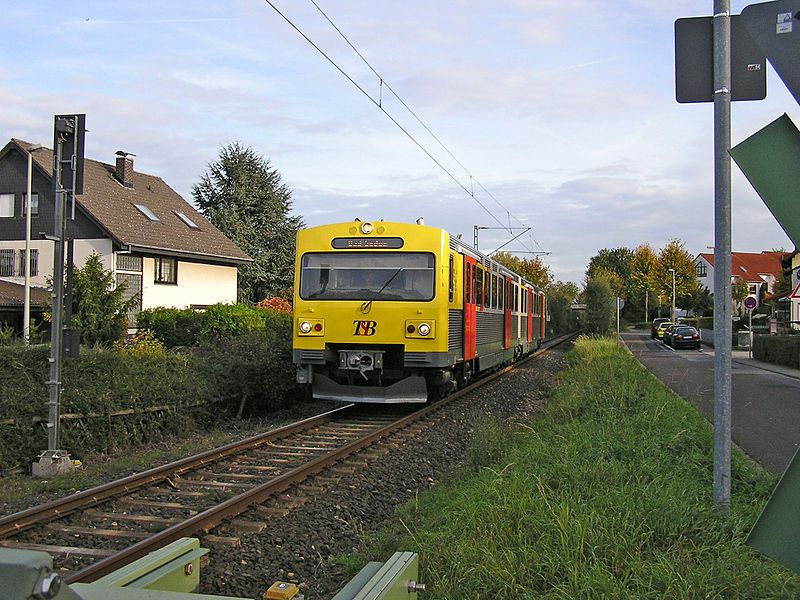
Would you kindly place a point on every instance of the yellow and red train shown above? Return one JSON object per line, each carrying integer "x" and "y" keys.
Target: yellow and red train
{"x": 397, "y": 312}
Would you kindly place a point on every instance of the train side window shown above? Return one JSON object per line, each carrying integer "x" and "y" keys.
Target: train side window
{"x": 452, "y": 278}
{"x": 467, "y": 282}
{"x": 486, "y": 284}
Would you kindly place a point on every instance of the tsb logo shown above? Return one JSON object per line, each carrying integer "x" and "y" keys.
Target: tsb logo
{"x": 364, "y": 327}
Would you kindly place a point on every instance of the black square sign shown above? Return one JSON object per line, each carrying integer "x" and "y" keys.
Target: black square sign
{"x": 694, "y": 62}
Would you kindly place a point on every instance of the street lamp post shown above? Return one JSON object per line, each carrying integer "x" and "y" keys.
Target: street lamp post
{"x": 673, "y": 294}
{"x": 26, "y": 314}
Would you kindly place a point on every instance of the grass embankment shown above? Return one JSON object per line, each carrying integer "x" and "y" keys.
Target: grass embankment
{"x": 608, "y": 495}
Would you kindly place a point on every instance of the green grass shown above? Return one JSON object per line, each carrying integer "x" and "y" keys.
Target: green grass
{"x": 609, "y": 495}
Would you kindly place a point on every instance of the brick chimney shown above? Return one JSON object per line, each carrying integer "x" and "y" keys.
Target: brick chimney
{"x": 123, "y": 172}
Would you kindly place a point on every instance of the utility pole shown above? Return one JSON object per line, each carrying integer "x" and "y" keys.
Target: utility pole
{"x": 68, "y": 139}
{"x": 723, "y": 328}
{"x": 26, "y": 313}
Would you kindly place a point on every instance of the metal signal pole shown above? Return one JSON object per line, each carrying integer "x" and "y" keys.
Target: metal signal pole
{"x": 723, "y": 313}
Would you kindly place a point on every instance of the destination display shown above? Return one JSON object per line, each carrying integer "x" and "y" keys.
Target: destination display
{"x": 392, "y": 243}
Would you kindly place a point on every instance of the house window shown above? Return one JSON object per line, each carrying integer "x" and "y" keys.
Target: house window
{"x": 183, "y": 217}
{"x": 34, "y": 263}
{"x": 133, "y": 289}
{"x": 146, "y": 212}
{"x": 166, "y": 270}
{"x": 701, "y": 270}
{"x": 34, "y": 204}
{"x": 7, "y": 260}
{"x": 129, "y": 262}
{"x": 6, "y": 205}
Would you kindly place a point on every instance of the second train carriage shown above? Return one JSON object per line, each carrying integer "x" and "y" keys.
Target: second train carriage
{"x": 397, "y": 312}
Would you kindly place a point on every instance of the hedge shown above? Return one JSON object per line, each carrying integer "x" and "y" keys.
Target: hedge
{"x": 778, "y": 349}
{"x": 187, "y": 327}
{"x": 250, "y": 371}
{"x": 98, "y": 383}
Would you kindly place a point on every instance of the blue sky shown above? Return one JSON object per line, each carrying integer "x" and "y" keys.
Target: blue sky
{"x": 564, "y": 110}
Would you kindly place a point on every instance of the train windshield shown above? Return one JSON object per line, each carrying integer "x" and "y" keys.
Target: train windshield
{"x": 367, "y": 276}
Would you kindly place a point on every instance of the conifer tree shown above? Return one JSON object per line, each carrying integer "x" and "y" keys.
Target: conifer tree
{"x": 244, "y": 197}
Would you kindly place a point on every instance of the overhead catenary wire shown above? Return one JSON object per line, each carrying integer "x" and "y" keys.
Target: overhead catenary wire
{"x": 378, "y": 105}
{"x": 383, "y": 84}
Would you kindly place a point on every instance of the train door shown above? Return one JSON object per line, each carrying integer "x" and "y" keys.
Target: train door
{"x": 543, "y": 318}
{"x": 529, "y": 316}
{"x": 507, "y": 304}
{"x": 470, "y": 298}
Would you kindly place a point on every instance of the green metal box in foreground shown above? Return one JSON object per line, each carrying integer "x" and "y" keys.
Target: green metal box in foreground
{"x": 770, "y": 159}
{"x": 777, "y": 531}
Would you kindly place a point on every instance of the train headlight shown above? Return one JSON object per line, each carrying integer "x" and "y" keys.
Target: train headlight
{"x": 367, "y": 228}
{"x": 424, "y": 329}
{"x": 305, "y": 327}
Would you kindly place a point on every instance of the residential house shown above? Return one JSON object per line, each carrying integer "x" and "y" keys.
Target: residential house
{"x": 145, "y": 233}
{"x": 791, "y": 265}
{"x": 759, "y": 270}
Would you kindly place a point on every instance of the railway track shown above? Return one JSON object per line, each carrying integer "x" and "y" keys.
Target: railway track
{"x": 101, "y": 529}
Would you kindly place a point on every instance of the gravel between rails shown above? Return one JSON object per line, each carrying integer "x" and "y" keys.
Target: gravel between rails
{"x": 298, "y": 547}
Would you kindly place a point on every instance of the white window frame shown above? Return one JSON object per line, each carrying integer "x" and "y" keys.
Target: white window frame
{"x": 6, "y": 205}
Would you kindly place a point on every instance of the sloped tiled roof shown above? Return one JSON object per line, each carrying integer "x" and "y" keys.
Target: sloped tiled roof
{"x": 748, "y": 265}
{"x": 13, "y": 294}
{"x": 111, "y": 206}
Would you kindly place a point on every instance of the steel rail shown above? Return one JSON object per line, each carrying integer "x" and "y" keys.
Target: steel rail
{"x": 212, "y": 517}
{"x": 36, "y": 515}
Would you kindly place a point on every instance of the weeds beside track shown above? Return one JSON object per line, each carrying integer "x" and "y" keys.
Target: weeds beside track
{"x": 608, "y": 495}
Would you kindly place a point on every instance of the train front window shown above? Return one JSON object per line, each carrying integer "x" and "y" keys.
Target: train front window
{"x": 404, "y": 276}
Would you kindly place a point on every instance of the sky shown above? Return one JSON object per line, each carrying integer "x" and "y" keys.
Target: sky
{"x": 558, "y": 115}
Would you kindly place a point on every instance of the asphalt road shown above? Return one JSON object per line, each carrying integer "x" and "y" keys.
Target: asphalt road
{"x": 766, "y": 405}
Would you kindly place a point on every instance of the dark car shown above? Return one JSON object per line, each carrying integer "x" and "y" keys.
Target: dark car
{"x": 656, "y": 323}
{"x": 668, "y": 332}
{"x": 684, "y": 336}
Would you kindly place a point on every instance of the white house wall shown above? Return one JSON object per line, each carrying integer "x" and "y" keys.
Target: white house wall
{"x": 83, "y": 249}
{"x": 198, "y": 284}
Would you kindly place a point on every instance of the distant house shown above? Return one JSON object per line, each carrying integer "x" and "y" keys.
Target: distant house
{"x": 144, "y": 232}
{"x": 791, "y": 265}
{"x": 759, "y": 270}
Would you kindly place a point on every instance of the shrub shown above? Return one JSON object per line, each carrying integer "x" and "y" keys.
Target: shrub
{"x": 252, "y": 371}
{"x": 777, "y": 349}
{"x": 277, "y": 304}
{"x": 98, "y": 383}
{"x": 230, "y": 319}
{"x": 173, "y": 326}
{"x": 188, "y": 327}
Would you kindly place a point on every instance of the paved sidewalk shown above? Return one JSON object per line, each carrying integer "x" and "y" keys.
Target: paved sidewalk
{"x": 741, "y": 357}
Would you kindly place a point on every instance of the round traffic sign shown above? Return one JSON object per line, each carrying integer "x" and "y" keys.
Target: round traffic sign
{"x": 750, "y": 302}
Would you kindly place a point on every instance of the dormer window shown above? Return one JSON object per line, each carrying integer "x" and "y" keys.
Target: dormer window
{"x": 183, "y": 217}
{"x": 146, "y": 212}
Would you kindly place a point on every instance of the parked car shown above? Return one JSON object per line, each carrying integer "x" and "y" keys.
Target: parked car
{"x": 667, "y": 337}
{"x": 656, "y": 323}
{"x": 661, "y": 328}
{"x": 685, "y": 336}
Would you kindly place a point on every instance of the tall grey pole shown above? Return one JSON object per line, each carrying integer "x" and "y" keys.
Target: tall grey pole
{"x": 723, "y": 313}
{"x": 26, "y": 313}
{"x": 56, "y": 332}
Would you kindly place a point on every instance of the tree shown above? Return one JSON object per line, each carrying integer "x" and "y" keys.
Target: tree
{"x": 244, "y": 197}
{"x": 532, "y": 269}
{"x": 643, "y": 276}
{"x": 674, "y": 256}
{"x": 739, "y": 291}
{"x": 560, "y": 298}
{"x": 98, "y": 308}
{"x": 616, "y": 261}
{"x": 599, "y": 304}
